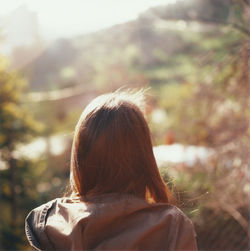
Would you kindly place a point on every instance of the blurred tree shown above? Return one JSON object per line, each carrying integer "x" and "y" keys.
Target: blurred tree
{"x": 232, "y": 13}
{"x": 16, "y": 126}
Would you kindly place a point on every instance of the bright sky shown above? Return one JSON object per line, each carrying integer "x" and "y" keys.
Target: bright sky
{"x": 73, "y": 17}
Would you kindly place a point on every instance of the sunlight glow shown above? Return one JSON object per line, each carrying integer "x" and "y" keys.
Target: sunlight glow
{"x": 64, "y": 18}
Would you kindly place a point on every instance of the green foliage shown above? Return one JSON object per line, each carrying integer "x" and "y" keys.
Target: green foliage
{"x": 18, "y": 177}
{"x": 16, "y": 123}
{"x": 27, "y": 197}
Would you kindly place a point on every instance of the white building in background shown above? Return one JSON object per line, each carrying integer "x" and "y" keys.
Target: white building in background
{"x": 180, "y": 154}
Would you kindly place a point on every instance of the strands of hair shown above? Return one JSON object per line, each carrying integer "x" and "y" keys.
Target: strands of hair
{"x": 112, "y": 150}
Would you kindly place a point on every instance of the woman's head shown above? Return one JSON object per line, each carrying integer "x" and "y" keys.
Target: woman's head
{"x": 112, "y": 150}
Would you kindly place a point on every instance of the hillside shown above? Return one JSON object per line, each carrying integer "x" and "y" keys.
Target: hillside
{"x": 154, "y": 49}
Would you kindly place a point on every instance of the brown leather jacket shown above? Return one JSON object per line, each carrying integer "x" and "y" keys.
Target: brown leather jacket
{"x": 109, "y": 222}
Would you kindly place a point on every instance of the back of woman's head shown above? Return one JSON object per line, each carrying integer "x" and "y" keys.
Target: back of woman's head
{"x": 112, "y": 150}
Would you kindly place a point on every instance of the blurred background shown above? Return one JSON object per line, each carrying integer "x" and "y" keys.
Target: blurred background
{"x": 193, "y": 55}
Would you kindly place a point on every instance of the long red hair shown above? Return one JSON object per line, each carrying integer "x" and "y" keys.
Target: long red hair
{"x": 112, "y": 151}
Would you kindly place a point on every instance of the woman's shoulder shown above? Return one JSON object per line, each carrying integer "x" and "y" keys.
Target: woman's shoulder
{"x": 175, "y": 226}
{"x": 38, "y": 214}
{"x": 35, "y": 223}
{"x": 170, "y": 214}
{"x": 171, "y": 211}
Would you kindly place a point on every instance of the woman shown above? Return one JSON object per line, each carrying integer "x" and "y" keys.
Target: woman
{"x": 117, "y": 198}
